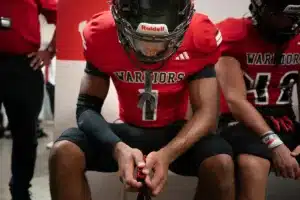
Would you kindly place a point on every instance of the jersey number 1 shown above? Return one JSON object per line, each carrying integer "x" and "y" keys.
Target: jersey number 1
{"x": 147, "y": 113}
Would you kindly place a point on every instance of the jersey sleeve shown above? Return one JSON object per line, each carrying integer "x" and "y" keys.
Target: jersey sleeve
{"x": 48, "y": 8}
{"x": 93, "y": 43}
{"x": 233, "y": 31}
{"x": 207, "y": 45}
{"x": 94, "y": 71}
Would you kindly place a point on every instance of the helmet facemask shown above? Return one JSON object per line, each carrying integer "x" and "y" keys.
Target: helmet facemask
{"x": 150, "y": 29}
{"x": 277, "y": 23}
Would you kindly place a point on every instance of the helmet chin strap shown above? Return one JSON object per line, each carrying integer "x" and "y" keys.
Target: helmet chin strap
{"x": 147, "y": 98}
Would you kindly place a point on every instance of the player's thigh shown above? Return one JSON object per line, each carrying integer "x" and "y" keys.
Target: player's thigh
{"x": 208, "y": 146}
{"x": 244, "y": 141}
{"x": 97, "y": 158}
{"x": 147, "y": 139}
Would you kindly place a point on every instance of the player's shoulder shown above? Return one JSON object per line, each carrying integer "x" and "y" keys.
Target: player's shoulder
{"x": 99, "y": 30}
{"x": 202, "y": 34}
{"x": 100, "y": 38}
{"x": 235, "y": 29}
{"x": 295, "y": 41}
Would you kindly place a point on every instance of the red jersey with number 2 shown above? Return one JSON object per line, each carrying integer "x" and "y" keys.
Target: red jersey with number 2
{"x": 268, "y": 84}
{"x": 170, "y": 83}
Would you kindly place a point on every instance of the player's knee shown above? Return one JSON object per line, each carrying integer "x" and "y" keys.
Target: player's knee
{"x": 66, "y": 155}
{"x": 253, "y": 167}
{"x": 221, "y": 168}
{"x": 222, "y": 165}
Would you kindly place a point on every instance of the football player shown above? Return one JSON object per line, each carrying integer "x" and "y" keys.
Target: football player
{"x": 257, "y": 71}
{"x": 156, "y": 53}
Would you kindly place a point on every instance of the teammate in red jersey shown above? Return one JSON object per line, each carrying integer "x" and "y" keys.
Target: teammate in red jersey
{"x": 155, "y": 52}
{"x": 257, "y": 71}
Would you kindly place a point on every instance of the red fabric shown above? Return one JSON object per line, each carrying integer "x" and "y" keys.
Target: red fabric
{"x": 24, "y": 36}
{"x": 264, "y": 80}
{"x": 171, "y": 82}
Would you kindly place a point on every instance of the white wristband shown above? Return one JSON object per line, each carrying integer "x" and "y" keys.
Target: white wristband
{"x": 272, "y": 140}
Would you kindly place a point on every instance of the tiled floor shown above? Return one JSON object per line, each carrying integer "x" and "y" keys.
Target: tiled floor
{"x": 105, "y": 186}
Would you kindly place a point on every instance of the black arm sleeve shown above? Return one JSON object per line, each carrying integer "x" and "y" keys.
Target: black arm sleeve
{"x": 207, "y": 72}
{"x": 92, "y": 123}
{"x": 89, "y": 118}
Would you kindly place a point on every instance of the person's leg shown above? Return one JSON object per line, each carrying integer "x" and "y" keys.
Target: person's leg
{"x": 210, "y": 159}
{"x": 252, "y": 162}
{"x": 253, "y": 174}
{"x": 39, "y": 130}
{"x": 74, "y": 153}
{"x": 22, "y": 101}
{"x": 51, "y": 92}
{"x": 71, "y": 155}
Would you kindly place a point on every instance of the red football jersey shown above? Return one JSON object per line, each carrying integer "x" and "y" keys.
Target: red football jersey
{"x": 103, "y": 50}
{"x": 267, "y": 84}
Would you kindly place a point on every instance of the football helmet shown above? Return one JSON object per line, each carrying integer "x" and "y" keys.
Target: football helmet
{"x": 277, "y": 20}
{"x": 152, "y": 29}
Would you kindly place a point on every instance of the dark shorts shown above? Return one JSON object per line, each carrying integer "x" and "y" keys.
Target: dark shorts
{"x": 147, "y": 140}
{"x": 245, "y": 141}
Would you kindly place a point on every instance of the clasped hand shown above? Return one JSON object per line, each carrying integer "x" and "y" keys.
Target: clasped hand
{"x": 155, "y": 167}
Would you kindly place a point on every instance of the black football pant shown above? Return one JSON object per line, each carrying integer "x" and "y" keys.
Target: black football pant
{"x": 21, "y": 91}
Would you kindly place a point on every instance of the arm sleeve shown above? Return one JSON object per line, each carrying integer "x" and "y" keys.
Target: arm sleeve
{"x": 90, "y": 120}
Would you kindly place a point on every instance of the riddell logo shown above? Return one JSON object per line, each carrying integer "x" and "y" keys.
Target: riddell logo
{"x": 153, "y": 28}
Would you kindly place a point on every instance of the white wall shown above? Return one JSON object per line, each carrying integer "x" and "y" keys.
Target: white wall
{"x": 220, "y": 9}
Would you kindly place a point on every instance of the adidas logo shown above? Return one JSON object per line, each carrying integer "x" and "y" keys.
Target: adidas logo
{"x": 219, "y": 38}
{"x": 183, "y": 56}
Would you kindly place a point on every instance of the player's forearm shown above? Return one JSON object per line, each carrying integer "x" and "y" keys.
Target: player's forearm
{"x": 52, "y": 45}
{"x": 243, "y": 111}
{"x": 201, "y": 124}
{"x": 92, "y": 123}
